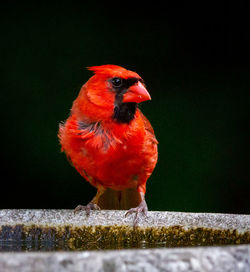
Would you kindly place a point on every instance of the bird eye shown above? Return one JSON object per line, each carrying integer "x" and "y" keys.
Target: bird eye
{"x": 117, "y": 82}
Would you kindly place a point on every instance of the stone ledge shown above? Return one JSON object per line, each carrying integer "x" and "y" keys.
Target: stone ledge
{"x": 173, "y": 229}
{"x": 113, "y": 217}
{"x": 209, "y": 259}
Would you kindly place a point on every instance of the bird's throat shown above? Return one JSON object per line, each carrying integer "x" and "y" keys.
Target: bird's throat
{"x": 124, "y": 112}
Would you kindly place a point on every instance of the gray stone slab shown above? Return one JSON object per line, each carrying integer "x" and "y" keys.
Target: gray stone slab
{"x": 217, "y": 258}
{"x": 209, "y": 259}
{"x": 112, "y": 217}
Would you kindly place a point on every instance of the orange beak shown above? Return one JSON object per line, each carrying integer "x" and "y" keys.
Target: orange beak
{"x": 136, "y": 93}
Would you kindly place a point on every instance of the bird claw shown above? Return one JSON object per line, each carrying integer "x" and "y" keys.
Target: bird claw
{"x": 91, "y": 206}
{"x": 142, "y": 208}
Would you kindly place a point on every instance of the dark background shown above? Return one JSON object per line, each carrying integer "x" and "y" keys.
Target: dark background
{"x": 195, "y": 62}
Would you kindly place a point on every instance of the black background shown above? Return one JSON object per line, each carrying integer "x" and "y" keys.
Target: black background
{"x": 195, "y": 62}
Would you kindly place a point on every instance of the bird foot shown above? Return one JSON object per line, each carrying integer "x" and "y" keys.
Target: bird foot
{"x": 91, "y": 206}
{"x": 142, "y": 208}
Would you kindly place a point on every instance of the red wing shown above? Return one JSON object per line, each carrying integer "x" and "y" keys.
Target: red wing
{"x": 149, "y": 128}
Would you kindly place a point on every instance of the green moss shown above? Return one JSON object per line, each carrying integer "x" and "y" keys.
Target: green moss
{"x": 115, "y": 237}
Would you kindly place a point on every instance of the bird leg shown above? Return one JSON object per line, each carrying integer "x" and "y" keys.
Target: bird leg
{"x": 141, "y": 208}
{"x": 93, "y": 203}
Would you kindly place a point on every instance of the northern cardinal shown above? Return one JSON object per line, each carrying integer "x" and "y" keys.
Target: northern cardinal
{"x": 109, "y": 141}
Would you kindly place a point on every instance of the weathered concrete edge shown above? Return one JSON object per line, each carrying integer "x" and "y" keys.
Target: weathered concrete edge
{"x": 113, "y": 217}
{"x": 228, "y": 258}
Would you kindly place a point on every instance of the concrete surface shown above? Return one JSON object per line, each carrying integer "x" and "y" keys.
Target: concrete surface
{"x": 217, "y": 258}
{"x": 209, "y": 259}
{"x": 110, "y": 218}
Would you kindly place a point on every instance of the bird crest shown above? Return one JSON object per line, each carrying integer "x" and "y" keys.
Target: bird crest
{"x": 111, "y": 70}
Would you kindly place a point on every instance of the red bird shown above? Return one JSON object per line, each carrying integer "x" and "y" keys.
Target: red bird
{"x": 109, "y": 141}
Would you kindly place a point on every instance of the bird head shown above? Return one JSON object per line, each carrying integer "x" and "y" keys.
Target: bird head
{"x": 114, "y": 92}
